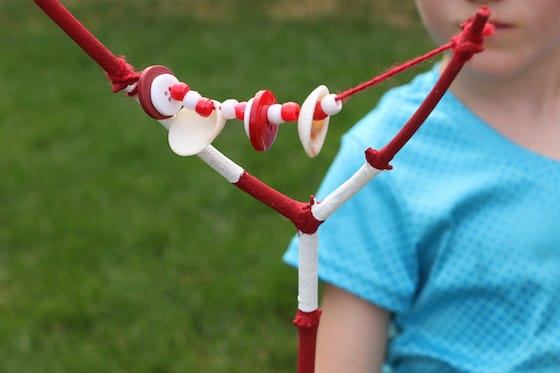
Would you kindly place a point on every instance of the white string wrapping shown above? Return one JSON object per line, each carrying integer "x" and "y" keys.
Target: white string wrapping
{"x": 322, "y": 210}
{"x": 230, "y": 170}
{"x": 308, "y": 282}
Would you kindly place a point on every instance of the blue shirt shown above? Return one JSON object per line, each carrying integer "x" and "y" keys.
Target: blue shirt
{"x": 460, "y": 241}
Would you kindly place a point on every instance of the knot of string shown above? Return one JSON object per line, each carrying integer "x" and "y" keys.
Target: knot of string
{"x": 469, "y": 41}
{"x": 125, "y": 75}
{"x": 466, "y": 49}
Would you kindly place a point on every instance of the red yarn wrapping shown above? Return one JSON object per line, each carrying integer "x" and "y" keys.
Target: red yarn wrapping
{"x": 126, "y": 76}
{"x": 307, "y": 324}
{"x": 117, "y": 69}
{"x": 299, "y": 213}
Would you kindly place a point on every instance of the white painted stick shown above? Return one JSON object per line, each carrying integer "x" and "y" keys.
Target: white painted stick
{"x": 333, "y": 201}
{"x": 230, "y": 170}
{"x": 308, "y": 282}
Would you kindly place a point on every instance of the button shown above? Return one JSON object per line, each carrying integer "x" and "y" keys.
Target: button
{"x": 154, "y": 92}
{"x": 312, "y": 133}
{"x": 190, "y": 133}
{"x": 261, "y": 131}
{"x": 161, "y": 95}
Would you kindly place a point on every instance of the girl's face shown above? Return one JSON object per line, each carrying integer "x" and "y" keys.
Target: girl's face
{"x": 525, "y": 32}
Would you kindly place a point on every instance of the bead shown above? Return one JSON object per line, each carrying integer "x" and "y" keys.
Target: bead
{"x": 290, "y": 111}
{"x": 331, "y": 105}
{"x": 228, "y": 108}
{"x": 191, "y": 100}
{"x": 312, "y": 130}
{"x": 274, "y": 114}
{"x": 318, "y": 112}
{"x": 240, "y": 110}
{"x": 179, "y": 90}
{"x": 132, "y": 90}
{"x": 204, "y": 107}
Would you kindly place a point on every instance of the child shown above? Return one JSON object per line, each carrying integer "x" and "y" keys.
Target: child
{"x": 458, "y": 247}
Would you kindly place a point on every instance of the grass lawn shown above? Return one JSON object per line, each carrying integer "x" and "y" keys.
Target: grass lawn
{"x": 117, "y": 255}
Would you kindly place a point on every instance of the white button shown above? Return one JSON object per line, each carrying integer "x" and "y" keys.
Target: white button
{"x": 160, "y": 93}
{"x": 190, "y": 133}
{"x": 312, "y": 133}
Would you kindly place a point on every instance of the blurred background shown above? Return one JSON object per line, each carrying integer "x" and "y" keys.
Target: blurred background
{"x": 116, "y": 255}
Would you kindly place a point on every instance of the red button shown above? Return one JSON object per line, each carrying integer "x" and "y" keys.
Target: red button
{"x": 262, "y": 133}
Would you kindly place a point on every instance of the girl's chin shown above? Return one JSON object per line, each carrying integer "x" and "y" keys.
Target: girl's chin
{"x": 494, "y": 66}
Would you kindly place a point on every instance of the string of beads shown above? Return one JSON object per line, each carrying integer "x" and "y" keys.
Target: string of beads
{"x": 162, "y": 96}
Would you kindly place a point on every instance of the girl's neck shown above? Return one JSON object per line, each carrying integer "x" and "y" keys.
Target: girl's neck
{"x": 533, "y": 88}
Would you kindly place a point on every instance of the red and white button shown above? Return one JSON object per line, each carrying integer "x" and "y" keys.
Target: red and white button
{"x": 154, "y": 92}
{"x": 261, "y": 131}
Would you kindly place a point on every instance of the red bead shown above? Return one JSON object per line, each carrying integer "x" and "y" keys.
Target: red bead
{"x": 240, "y": 110}
{"x": 319, "y": 114}
{"x": 290, "y": 111}
{"x": 179, "y": 90}
{"x": 205, "y": 107}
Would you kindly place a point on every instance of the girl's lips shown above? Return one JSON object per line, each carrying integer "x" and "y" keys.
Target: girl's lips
{"x": 500, "y": 25}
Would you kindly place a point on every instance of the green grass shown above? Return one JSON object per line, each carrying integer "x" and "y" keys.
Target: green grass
{"x": 115, "y": 254}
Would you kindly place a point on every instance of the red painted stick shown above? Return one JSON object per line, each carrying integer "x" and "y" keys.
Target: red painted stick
{"x": 298, "y": 212}
{"x": 307, "y": 324}
{"x": 118, "y": 71}
{"x": 468, "y": 42}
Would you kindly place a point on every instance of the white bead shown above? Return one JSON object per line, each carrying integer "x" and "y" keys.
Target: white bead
{"x": 331, "y": 105}
{"x": 274, "y": 114}
{"x": 191, "y": 99}
{"x": 130, "y": 88}
{"x": 228, "y": 108}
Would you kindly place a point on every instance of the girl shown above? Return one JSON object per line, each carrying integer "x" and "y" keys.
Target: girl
{"x": 457, "y": 248}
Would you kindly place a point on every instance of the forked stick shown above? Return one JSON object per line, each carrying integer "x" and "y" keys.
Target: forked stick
{"x": 306, "y": 216}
